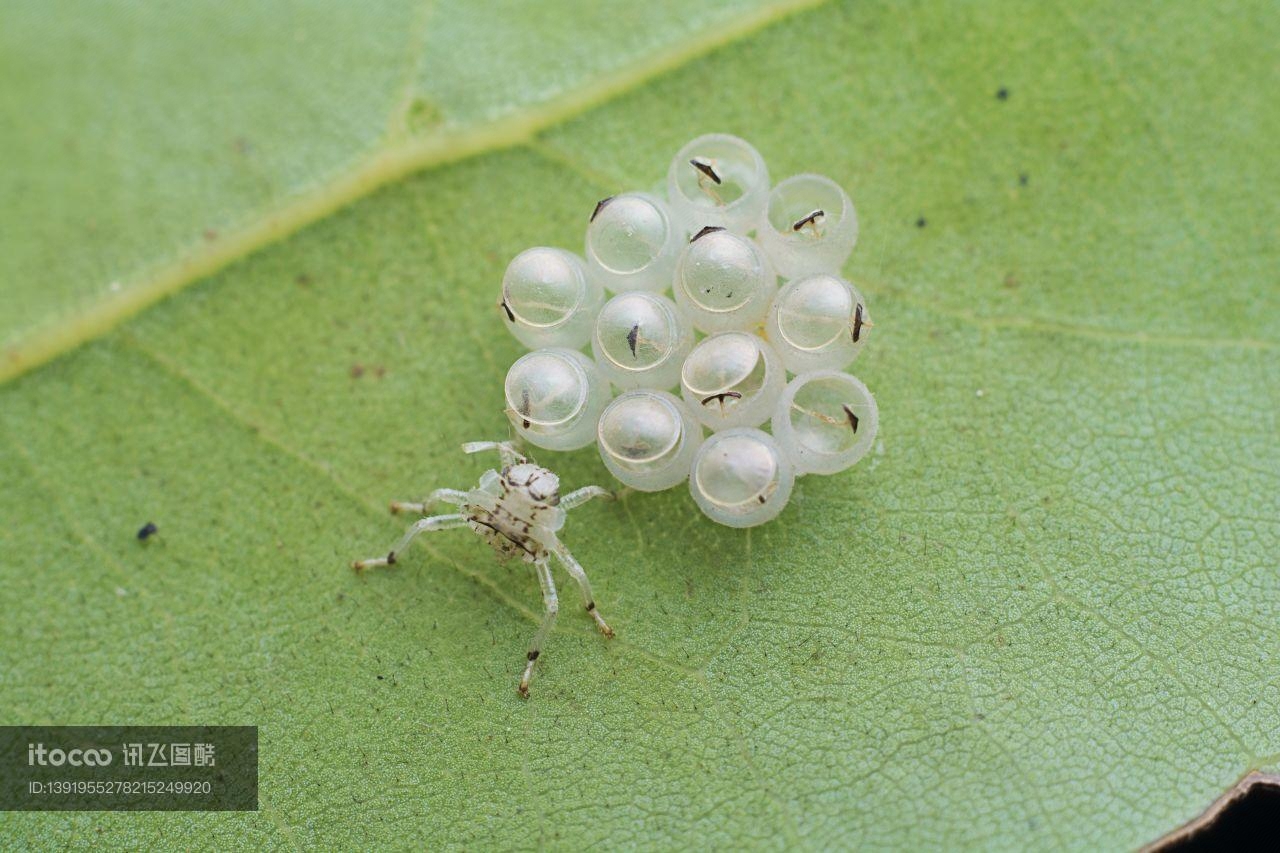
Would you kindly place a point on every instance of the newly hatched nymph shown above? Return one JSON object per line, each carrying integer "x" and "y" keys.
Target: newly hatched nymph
{"x": 518, "y": 510}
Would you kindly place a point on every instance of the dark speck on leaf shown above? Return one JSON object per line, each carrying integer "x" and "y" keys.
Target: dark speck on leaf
{"x": 1024, "y": 179}
{"x": 1002, "y": 93}
{"x": 147, "y": 530}
{"x": 920, "y": 223}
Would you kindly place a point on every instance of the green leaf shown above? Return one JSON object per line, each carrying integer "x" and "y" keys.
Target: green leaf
{"x": 1041, "y": 615}
{"x": 156, "y": 148}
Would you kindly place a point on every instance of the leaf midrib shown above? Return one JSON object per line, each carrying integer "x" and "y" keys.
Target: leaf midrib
{"x": 398, "y": 156}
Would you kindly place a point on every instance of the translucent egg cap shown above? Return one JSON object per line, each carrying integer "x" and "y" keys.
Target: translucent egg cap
{"x": 543, "y": 286}
{"x": 718, "y": 179}
{"x": 815, "y": 312}
{"x": 647, "y": 439}
{"x": 809, "y": 226}
{"x": 640, "y": 340}
{"x": 554, "y": 397}
{"x": 738, "y": 472}
{"x": 548, "y": 299}
{"x": 723, "y": 363}
{"x": 818, "y": 322}
{"x": 546, "y": 389}
{"x": 741, "y": 478}
{"x": 731, "y": 379}
{"x": 723, "y": 281}
{"x": 826, "y": 421}
{"x": 632, "y": 242}
{"x": 640, "y": 430}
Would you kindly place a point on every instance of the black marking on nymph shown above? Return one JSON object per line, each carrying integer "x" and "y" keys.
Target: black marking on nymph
{"x": 505, "y": 307}
{"x": 632, "y": 337}
{"x": 721, "y": 397}
{"x": 705, "y": 168}
{"x": 857, "y": 322}
{"x": 811, "y": 219}
{"x": 853, "y": 419}
{"x": 600, "y": 206}
{"x": 706, "y": 229}
{"x": 523, "y": 546}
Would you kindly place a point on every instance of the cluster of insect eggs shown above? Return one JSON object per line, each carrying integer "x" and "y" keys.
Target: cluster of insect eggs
{"x": 727, "y": 336}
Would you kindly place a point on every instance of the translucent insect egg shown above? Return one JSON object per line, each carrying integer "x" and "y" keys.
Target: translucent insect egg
{"x": 809, "y": 226}
{"x": 548, "y": 300}
{"x": 732, "y": 379}
{"x": 718, "y": 179}
{"x": 723, "y": 281}
{"x": 632, "y": 243}
{"x": 818, "y": 322}
{"x": 826, "y": 421}
{"x": 647, "y": 440}
{"x": 554, "y": 398}
{"x": 640, "y": 341}
{"x": 741, "y": 478}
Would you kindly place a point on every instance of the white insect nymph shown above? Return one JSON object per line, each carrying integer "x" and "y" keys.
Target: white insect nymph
{"x": 518, "y": 511}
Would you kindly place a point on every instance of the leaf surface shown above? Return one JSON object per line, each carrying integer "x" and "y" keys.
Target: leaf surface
{"x": 1042, "y": 614}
